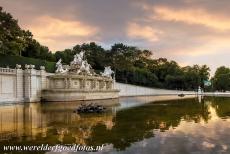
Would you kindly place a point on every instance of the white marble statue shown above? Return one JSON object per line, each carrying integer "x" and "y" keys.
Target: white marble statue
{"x": 107, "y": 72}
{"x": 42, "y": 68}
{"x": 27, "y": 66}
{"x": 32, "y": 66}
{"x": 18, "y": 66}
{"x": 88, "y": 67}
{"x": 60, "y": 68}
{"x": 78, "y": 58}
{"x": 85, "y": 67}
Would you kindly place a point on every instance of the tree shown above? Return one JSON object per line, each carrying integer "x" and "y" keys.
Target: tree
{"x": 221, "y": 79}
{"x": 204, "y": 74}
{"x": 35, "y": 50}
{"x": 95, "y": 55}
{"x": 12, "y": 37}
{"x": 16, "y": 41}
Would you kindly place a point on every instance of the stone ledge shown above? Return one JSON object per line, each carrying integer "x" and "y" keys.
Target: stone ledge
{"x": 79, "y": 90}
{"x": 63, "y": 95}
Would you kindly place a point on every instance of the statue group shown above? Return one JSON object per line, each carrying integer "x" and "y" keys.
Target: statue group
{"x": 81, "y": 66}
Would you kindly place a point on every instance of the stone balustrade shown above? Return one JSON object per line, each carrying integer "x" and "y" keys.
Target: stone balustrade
{"x": 17, "y": 85}
{"x": 7, "y": 70}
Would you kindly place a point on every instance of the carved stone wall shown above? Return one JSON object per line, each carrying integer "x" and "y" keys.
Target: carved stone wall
{"x": 80, "y": 82}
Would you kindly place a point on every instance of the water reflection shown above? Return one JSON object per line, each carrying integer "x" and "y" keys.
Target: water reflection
{"x": 176, "y": 126}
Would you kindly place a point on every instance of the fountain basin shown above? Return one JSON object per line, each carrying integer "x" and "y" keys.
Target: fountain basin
{"x": 72, "y": 87}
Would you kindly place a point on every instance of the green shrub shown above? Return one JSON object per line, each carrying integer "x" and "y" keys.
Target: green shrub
{"x": 11, "y": 61}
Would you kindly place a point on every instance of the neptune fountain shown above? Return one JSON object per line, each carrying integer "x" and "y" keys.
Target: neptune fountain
{"x": 78, "y": 81}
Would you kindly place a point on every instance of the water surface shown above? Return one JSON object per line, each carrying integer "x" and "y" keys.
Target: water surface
{"x": 137, "y": 125}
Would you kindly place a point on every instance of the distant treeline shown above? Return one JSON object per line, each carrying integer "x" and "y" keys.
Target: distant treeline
{"x": 131, "y": 64}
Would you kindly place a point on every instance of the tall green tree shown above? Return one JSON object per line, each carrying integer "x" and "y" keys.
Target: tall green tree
{"x": 16, "y": 41}
{"x": 221, "y": 79}
{"x": 13, "y": 40}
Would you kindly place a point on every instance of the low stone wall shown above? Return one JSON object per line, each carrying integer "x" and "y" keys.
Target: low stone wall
{"x": 219, "y": 94}
{"x": 11, "y": 81}
{"x": 17, "y": 85}
{"x": 133, "y": 90}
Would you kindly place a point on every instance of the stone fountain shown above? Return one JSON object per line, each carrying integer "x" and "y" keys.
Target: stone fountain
{"x": 78, "y": 81}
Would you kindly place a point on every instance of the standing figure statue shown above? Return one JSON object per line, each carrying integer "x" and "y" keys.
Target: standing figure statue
{"x": 78, "y": 58}
{"x": 107, "y": 72}
{"x": 88, "y": 67}
{"x": 82, "y": 53}
{"x": 60, "y": 68}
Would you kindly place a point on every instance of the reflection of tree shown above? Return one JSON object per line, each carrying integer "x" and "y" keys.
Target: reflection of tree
{"x": 221, "y": 105}
{"x": 135, "y": 124}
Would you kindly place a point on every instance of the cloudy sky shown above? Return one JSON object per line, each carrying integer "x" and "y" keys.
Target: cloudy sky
{"x": 187, "y": 31}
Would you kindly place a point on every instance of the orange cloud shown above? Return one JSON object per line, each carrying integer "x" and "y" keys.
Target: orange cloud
{"x": 191, "y": 16}
{"x": 211, "y": 46}
{"x": 48, "y": 30}
{"x": 135, "y": 30}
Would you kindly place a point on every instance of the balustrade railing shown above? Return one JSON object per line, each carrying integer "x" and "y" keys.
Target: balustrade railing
{"x": 7, "y": 70}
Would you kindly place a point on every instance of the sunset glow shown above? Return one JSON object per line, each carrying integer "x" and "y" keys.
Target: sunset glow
{"x": 189, "y": 32}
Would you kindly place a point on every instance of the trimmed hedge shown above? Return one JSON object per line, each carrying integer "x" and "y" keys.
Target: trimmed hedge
{"x": 11, "y": 61}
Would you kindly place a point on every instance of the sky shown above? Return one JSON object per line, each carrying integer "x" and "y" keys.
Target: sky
{"x": 187, "y": 31}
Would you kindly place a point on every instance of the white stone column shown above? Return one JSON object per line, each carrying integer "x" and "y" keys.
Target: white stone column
{"x": 27, "y": 84}
{"x": 19, "y": 85}
{"x": 43, "y": 78}
{"x": 30, "y": 80}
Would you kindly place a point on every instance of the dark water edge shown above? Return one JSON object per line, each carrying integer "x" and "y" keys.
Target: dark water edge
{"x": 137, "y": 125}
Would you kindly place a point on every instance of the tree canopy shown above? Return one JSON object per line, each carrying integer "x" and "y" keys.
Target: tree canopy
{"x": 136, "y": 66}
{"x": 221, "y": 79}
{"x": 16, "y": 41}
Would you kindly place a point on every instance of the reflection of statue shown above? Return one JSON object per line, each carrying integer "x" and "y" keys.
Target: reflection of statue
{"x": 60, "y": 67}
{"x": 107, "y": 72}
